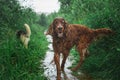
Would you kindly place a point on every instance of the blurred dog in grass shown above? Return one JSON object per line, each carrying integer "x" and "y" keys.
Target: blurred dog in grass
{"x": 24, "y": 36}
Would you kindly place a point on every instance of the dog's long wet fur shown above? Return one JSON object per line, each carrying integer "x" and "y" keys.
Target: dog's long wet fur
{"x": 24, "y": 36}
{"x": 66, "y": 35}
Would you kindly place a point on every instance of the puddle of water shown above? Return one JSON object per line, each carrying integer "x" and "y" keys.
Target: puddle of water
{"x": 49, "y": 38}
{"x": 50, "y": 67}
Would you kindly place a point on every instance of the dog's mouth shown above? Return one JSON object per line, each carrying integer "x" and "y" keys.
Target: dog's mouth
{"x": 60, "y": 34}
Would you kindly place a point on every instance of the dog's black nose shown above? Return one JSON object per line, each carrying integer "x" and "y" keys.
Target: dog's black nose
{"x": 60, "y": 28}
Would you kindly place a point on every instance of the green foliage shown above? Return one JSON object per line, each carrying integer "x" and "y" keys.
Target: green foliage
{"x": 42, "y": 20}
{"x": 13, "y": 16}
{"x": 16, "y": 62}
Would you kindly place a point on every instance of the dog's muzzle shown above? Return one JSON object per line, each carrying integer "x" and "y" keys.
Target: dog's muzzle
{"x": 60, "y": 31}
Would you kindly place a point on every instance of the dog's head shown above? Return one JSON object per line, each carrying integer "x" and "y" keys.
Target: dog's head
{"x": 58, "y": 27}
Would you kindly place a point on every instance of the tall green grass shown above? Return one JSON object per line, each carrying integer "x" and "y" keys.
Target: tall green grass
{"x": 18, "y": 63}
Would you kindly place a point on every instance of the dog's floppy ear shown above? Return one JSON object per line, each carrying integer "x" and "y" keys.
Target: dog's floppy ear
{"x": 66, "y": 23}
{"x": 67, "y": 31}
{"x": 50, "y": 30}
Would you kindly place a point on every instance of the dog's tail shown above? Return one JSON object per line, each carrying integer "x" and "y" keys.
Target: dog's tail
{"x": 28, "y": 31}
{"x": 102, "y": 31}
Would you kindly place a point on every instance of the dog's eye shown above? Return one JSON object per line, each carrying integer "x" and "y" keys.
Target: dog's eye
{"x": 56, "y": 22}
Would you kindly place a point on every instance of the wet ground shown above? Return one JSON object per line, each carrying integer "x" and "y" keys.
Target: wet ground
{"x": 50, "y": 68}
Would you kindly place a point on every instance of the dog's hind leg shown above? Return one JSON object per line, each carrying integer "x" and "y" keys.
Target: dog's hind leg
{"x": 26, "y": 43}
{"x": 82, "y": 49}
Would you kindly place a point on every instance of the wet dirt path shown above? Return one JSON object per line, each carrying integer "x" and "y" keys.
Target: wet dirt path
{"x": 50, "y": 68}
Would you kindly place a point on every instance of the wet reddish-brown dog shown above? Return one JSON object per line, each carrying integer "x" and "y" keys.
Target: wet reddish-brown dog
{"x": 66, "y": 35}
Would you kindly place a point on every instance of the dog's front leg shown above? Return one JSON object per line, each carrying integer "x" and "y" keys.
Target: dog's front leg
{"x": 65, "y": 55}
{"x": 57, "y": 62}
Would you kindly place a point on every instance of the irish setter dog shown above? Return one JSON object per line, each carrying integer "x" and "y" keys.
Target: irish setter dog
{"x": 65, "y": 36}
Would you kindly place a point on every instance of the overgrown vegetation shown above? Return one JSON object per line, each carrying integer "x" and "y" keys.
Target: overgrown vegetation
{"x": 18, "y": 63}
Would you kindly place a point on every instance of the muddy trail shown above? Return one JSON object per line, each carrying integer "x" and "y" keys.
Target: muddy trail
{"x": 50, "y": 68}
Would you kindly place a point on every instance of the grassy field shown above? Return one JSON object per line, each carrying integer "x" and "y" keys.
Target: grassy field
{"x": 18, "y": 63}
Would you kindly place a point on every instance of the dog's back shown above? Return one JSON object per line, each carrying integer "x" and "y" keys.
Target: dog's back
{"x": 19, "y": 33}
{"x": 24, "y": 36}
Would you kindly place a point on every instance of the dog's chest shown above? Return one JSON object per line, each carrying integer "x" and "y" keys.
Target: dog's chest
{"x": 62, "y": 45}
